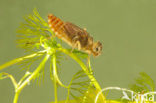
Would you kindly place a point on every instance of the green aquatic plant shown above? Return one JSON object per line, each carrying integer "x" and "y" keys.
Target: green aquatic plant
{"x": 40, "y": 42}
{"x": 144, "y": 83}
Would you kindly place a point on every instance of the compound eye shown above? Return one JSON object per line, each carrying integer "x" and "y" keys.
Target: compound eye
{"x": 97, "y": 49}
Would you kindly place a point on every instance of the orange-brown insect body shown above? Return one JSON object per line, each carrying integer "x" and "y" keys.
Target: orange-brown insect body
{"x": 74, "y": 36}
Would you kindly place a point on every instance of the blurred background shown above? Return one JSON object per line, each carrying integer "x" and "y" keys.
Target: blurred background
{"x": 126, "y": 29}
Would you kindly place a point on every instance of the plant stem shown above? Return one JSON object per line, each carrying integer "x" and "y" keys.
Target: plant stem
{"x": 16, "y": 97}
{"x": 83, "y": 66}
{"x": 32, "y": 76}
{"x": 13, "y": 81}
{"x": 55, "y": 76}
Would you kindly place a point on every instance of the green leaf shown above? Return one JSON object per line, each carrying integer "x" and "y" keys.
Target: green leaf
{"x": 27, "y": 63}
{"x": 78, "y": 53}
{"x": 144, "y": 83}
{"x": 18, "y": 60}
{"x": 78, "y": 85}
{"x": 32, "y": 30}
{"x": 88, "y": 97}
